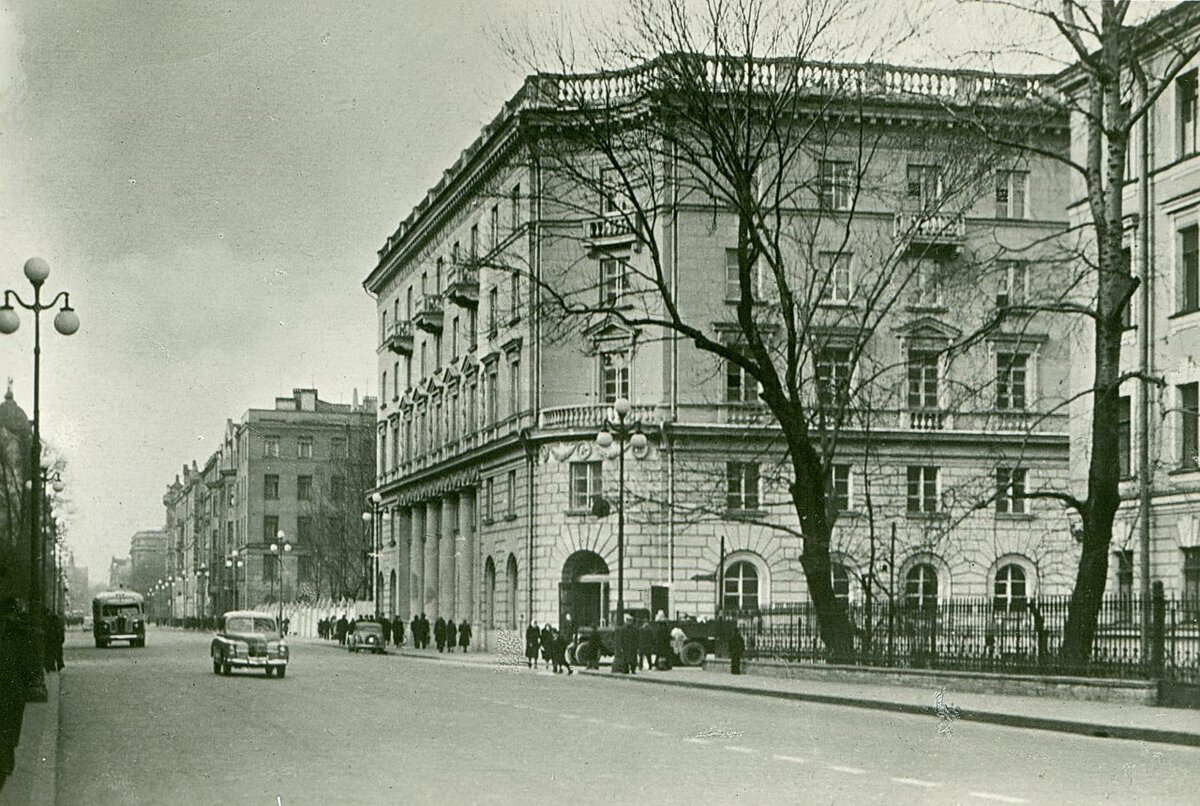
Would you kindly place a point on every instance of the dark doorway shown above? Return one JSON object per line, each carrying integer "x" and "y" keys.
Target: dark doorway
{"x": 583, "y": 591}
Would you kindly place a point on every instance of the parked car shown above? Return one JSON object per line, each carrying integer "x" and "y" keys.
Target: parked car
{"x": 249, "y": 639}
{"x": 367, "y": 635}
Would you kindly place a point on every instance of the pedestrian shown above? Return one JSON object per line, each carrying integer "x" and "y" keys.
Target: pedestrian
{"x": 629, "y": 645}
{"x": 439, "y": 634}
{"x": 398, "y": 631}
{"x": 414, "y": 627}
{"x": 646, "y": 643}
{"x": 546, "y": 639}
{"x": 424, "y": 631}
{"x": 451, "y": 635}
{"x": 532, "y": 636}
{"x": 343, "y": 627}
{"x": 386, "y": 625}
{"x": 678, "y": 639}
{"x": 464, "y": 635}
{"x": 14, "y": 675}
{"x": 561, "y": 658}
{"x": 737, "y": 648}
{"x": 662, "y": 643}
{"x": 287, "y": 624}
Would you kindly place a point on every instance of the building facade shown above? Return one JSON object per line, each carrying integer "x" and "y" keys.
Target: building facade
{"x": 493, "y": 391}
{"x": 295, "y": 477}
{"x": 1163, "y": 337}
{"x": 148, "y": 552}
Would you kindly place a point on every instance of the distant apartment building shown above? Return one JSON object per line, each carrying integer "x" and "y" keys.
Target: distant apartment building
{"x": 147, "y": 558}
{"x": 294, "y": 476}
{"x": 120, "y": 574}
{"x": 488, "y": 465}
{"x": 1168, "y": 426}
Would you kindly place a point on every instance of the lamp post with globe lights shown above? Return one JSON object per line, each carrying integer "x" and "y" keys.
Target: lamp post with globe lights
{"x": 233, "y": 562}
{"x": 202, "y": 585}
{"x": 278, "y": 550}
{"x": 66, "y": 322}
{"x": 621, "y": 430}
{"x": 375, "y": 522}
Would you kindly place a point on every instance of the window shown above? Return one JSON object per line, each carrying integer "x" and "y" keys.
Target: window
{"x": 1189, "y": 268}
{"x": 1191, "y": 581}
{"x": 489, "y": 400}
{"x": 1009, "y": 592}
{"x": 1124, "y": 437}
{"x": 408, "y": 302}
{"x": 269, "y": 568}
{"x": 383, "y": 325}
{"x": 1010, "y": 490}
{"x": 472, "y": 328}
{"x": 613, "y": 281}
{"x": 454, "y": 337}
{"x": 304, "y": 488}
{"x": 383, "y": 385}
{"x": 512, "y": 493}
{"x": 836, "y": 185}
{"x": 837, "y": 280}
{"x": 1124, "y": 558}
{"x": 921, "y": 588}
{"x": 304, "y": 448}
{"x": 337, "y": 489}
{"x": 614, "y": 377}
{"x": 733, "y": 282}
{"x": 494, "y": 225}
{"x": 514, "y": 386}
{"x": 1189, "y": 418}
{"x": 833, "y": 369}
{"x": 270, "y": 446}
{"x": 514, "y": 207}
{"x": 611, "y": 201}
{"x": 923, "y": 489}
{"x": 843, "y": 488}
{"x": 489, "y": 500}
{"x": 1011, "y": 374}
{"x": 1011, "y": 192}
{"x": 1185, "y": 93}
{"x": 474, "y": 242}
{"x": 514, "y": 296}
{"x": 395, "y": 381}
{"x": 924, "y": 186}
{"x": 740, "y": 385}
{"x": 925, "y": 289}
{"x": 270, "y": 528}
{"x": 923, "y": 379}
{"x": 741, "y": 486}
{"x": 1013, "y": 283}
{"x": 741, "y": 587}
{"x": 493, "y": 310}
{"x": 839, "y": 575}
{"x": 471, "y": 408}
{"x": 271, "y": 488}
{"x": 304, "y": 531}
{"x": 586, "y": 484}
{"x": 305, "y": 569}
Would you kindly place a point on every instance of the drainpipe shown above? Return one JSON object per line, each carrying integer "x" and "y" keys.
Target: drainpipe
{"x": 1145, "y": 341}
{"x": 667, "y": 441}
{"x": 535, "y": 217}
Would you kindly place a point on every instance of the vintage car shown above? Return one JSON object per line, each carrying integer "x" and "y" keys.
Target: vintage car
{"x": 249, "y": 639}
{"x": 368, "y": 636}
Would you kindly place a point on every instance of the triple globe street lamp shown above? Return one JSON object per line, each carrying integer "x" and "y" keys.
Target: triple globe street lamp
{"x": 278, "y": 550}
{"x": 375, "y": 522}
{"x": 619, "y": 429}
{"x": 66, "y": 322}
{"x": 232, "y": 563}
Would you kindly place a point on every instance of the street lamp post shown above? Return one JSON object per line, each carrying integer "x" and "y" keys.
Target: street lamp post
{"x": 618, "y": 428}
{"x": 171, "y": 607}
{"x": 277, "y": 551}
{"x": 233, "y": 562}
{"x": 375, "y": 522}
{"x": 66, "y": 322}
{"x": 202, "y": 584}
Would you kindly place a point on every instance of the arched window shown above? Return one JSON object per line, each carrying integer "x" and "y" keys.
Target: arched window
{"x": 741, "y": 587}
{"x": 489, "y": 594}
{"x": 1010, "y": 589}
{"x": 921, "y": 587}
{"x": 392, "y": 593}
{"x": 840, "y": 576}
{"x": 510, "y": 575}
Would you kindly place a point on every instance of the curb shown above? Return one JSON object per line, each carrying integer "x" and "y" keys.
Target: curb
{"x": 1092, "y": 729}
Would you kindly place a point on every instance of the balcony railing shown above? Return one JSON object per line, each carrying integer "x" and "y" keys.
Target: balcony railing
{"x": 428, "y": 312}
{"x": 462, "y": 286}
{"x": 923, "y": 230}
{"x": 400, "y": 338}
{"x": 593, "y": 415}
{"x": 927, "y": 420}
{"x": 609, "y": 230}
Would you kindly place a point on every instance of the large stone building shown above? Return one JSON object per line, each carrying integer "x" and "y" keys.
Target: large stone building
{"x": 1163, "y": 337}
{"x": 148, "y": 550}
{"x": 492, "y": 395}
{"x": 294, "y": 476}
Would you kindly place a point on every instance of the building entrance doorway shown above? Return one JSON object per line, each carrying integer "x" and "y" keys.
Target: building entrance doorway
{"x": 583, "y": 591}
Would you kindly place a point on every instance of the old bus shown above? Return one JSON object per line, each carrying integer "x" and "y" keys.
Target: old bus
{"x": 119, "y": 616}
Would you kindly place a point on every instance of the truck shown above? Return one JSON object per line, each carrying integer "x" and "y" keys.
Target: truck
{"x": 703, "y": 638}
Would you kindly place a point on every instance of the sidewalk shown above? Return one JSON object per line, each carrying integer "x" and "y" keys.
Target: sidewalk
{"x": 1100, "y": 719}
{"x": 34, "y": 779}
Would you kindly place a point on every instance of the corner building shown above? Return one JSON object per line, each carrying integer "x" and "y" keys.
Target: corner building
{"x": 488, "y": 466}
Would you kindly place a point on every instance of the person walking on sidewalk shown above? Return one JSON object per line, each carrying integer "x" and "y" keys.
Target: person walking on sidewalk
{"x": 532, "y": 636}
{"x": 560, "y": 652}
{"x": 439, "y": 634}
{"x": 342, "y": 628}
{"x": 414, "y": 627}
{"x": 646, "y": 642}
{"x": 546, "y": 639}
{"x": 451, "y": 635}
{"x": 464, "y": 635}
{"x": 397, "y": 631}
{"x": 737, "y": 647}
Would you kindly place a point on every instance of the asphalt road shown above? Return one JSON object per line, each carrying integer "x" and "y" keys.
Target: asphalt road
{"x": 155, "y": 726}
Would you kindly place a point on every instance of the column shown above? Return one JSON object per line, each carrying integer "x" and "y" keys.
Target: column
{"x": 416, "y": 560}
{"x": 464, "y": 554}
{"x": 447, "y": 558}
{"x": 402, "y": 529}
{"x": 433, "y": 529}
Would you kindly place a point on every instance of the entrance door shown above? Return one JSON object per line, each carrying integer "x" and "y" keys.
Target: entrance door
{"x": 583, "y": 591}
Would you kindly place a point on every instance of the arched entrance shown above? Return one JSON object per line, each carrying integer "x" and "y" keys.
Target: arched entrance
{"x": 392, "y": 593}
{"x": 512, "y": 580}
{"x": 583, "y": 591}
{"x": 489, "y": 594}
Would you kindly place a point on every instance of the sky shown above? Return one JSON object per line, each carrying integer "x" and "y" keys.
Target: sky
{"x": 210, "y": 181}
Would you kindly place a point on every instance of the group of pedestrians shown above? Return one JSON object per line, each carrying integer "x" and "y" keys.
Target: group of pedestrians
{"x": 445, "y": 633}
{"x": 550, "y": 643}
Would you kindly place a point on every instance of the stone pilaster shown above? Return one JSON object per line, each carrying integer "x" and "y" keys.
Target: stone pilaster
{"x": 416, "y": 560}
{"x": 447, "y": 557}
{"x": 433, "y": 528}
{"x": 402, "y": 532}
{"x": 465, "y": 548}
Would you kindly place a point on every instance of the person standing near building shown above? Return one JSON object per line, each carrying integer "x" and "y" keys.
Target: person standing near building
{"x": 464, "y": 635}
{"x": 737, "y": 647}
{"x": 342, "y": 628}
{"x": 397, "y": 631}
{"x": 646, "y": 642}
{"x": 532, "y": 636}
{"x": 546, "y": 639}
{"x": 630, "y": 640}
{"x": 439, "y": 634}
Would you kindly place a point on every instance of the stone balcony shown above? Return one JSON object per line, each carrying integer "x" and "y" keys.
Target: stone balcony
{"x": 925, "y": 231}
{"x": 462, "y": 285}
{"x": 428, "y": 312}
{"x": 608, "y": 231}
{"x": 400, "y": 338}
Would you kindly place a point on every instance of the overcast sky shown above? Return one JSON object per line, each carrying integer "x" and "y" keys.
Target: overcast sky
{"x": 210, "y": 182}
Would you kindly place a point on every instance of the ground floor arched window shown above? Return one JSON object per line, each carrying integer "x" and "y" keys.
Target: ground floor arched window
{"x": 510, "y": 577}
{"x": 1010, "y": 590}
{"x": 921, "y": 588}
{"x": 740, "y": 587}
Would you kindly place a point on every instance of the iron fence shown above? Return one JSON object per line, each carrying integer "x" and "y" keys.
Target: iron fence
{"x": 985, "y": 635}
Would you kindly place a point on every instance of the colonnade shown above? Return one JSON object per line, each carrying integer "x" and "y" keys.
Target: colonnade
{"x": 436, "y": 543}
